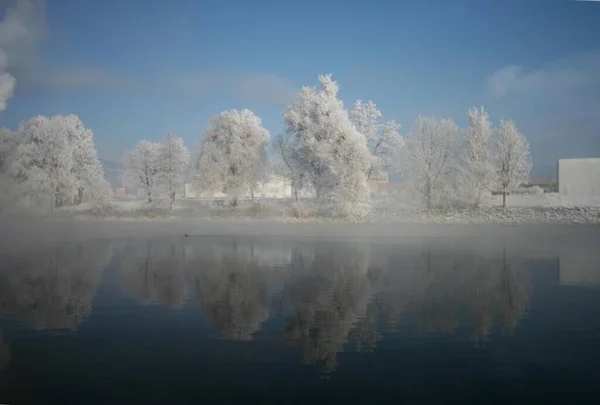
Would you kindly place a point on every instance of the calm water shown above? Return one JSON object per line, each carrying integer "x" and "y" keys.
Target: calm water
{"x": 225, "y": 320}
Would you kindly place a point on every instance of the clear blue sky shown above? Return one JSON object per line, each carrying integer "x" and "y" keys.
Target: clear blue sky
{"x": 135, "y": 69}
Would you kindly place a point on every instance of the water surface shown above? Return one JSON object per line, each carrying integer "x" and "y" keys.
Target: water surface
{"x": 266, "y": 320}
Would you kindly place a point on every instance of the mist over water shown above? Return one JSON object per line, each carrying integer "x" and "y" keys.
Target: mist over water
{"x": 221, "y": 318}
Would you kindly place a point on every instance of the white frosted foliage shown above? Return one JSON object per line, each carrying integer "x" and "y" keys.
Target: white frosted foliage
{"x": 429, "y": 153}
{"x": 53, "y": 162}
{"x": 513, "y": 159}
{"x": 383, "y": 139}
{"x": 330, "y": 151}
{"x": 141, "y": 168}
{"x": 173, "y": 160}
{"x": 233, "y": 156}
{"x": 476, "y": 167}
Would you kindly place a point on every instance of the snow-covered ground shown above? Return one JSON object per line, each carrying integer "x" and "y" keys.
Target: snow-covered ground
{"x": 544, "y": 208}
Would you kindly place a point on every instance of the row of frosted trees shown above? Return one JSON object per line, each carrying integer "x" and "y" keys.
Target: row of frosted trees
{"x": 333, "y": 152}
{"x": 324, "y": 149}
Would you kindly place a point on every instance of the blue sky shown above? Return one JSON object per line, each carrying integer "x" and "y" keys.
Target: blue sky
{"x": 136, "y": 69}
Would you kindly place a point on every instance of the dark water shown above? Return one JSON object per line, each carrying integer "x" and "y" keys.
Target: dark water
{"x": 225, "y": 320}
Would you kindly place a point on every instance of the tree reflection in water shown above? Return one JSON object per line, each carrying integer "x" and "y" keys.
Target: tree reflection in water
{"x": 331, "y": 296}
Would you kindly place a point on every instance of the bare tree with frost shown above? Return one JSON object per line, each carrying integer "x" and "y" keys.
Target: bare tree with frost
{"x": 476, "y": 167}
{"x": 7, "y": 149}
{"x": 286, "y": 164}
{"x": 429, "y": 153}
{"x": 513, "y": 159}
{"x": 173, "y": 160}
{"x": 233, "y": 155}
{"x": 141, "y": 168}
{"x": 383, "y": 139}
{"x": 88, "y": 173}
{"x": 332, "y": 153}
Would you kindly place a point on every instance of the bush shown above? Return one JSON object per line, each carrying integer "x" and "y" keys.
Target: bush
{"x": 256, "y": 209}
{"x": 303, "y": 210}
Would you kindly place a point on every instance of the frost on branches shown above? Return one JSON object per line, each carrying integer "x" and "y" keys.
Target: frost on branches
{"x": 90, "y": 183}
{"x": 383, "y": 139}
{"x": 513, "y": 160}
{"x": 54, "y": 163}
{"x": 141, "y": 168}
{"x": 233, "y": 154}
{"x": 173, "y": 159}
{"x": 476, "y": 170}
{"x": 286, "y": 164}
{"x": 330, "y": 151}
{"x": 429, "y": 153}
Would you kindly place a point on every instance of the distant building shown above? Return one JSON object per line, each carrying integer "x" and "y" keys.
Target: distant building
{"x": 379, "y": 177}
{"x": 579, "y": 177}
{"x": 273, "y": 187}
{"x": 120, "y": 192}
{"x": 549, "y": 186}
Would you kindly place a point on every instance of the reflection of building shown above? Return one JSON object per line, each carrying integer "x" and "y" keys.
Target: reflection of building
{"x": 579, "y": 176}
{"x": 579, "y": 266}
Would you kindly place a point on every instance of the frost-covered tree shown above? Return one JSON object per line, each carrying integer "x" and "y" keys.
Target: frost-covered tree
{"x": 54, "y": 158}
{"x": 141, "y": 168}
{"x": 383, "y": 139}
{"x": 513, "y": 159}
{"x": 232, "y": 154}
{"x": 429, "y": 153}
{"x": 7, "y": 146}
{"x": 332, "y": 153}
{"x": 476, "y": 168}
{"x": 173, "y": 159}
{"x": 42, "y": 166}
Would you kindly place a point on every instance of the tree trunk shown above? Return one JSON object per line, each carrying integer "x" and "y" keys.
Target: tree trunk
{"x": 235, "y": 202}
{"x": 149, "y": 198}
{"x": 172, "y": 201}
{"x": 504, "y": 199}
{"x": 428, "y": 195}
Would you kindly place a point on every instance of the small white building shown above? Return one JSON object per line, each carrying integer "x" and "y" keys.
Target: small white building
{"x": 273, "y": 187}
{"x": 579, "y": 177}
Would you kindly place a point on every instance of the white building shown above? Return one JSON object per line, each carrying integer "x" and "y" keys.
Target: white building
{"x": 579, "y": 177}
{"x": 274, "y": 187}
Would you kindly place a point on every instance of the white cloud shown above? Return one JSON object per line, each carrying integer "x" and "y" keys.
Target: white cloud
{"x": 560, "y": 77}
{"x": 264, "y": 89}
{"x": 21, "y": 28}
{"x": 7, "y": 85}
{"x": 555, "y": 104}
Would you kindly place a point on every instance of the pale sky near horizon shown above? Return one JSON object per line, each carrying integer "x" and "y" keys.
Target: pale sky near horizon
{"x": 136, "y": 69}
